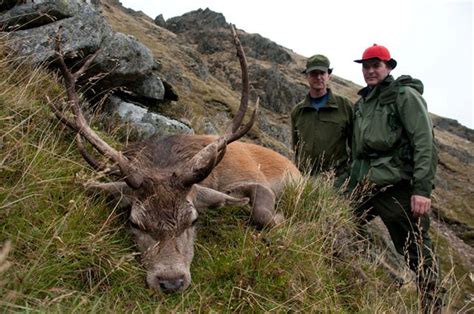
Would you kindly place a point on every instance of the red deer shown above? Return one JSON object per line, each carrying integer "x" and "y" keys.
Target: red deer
{"x": 169, "y": 181}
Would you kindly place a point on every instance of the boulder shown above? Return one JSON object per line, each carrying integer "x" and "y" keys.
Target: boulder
{"x": 82, "y": 33}
{"x": 160, "y": 21}
{"x": 151, "y": 87}
{"x": 124, "y": 56}
{"x": 143, "y": 122}
{"x": 131, "y": 65}
{"x": 31, "y": 15}
{"x": 123, "y": 61}
{"x": 196, "y": 20}
{"x": 7, "y": 4}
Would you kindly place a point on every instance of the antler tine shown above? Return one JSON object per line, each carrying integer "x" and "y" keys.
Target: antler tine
{"x": 87, "y": 156}
{"x": 133, "y": 178}
{"x": 243, "y": 129}
{"x": 244, "y": 99}
{"x": 201, "y": 165}
{"x": 61, "y": 117}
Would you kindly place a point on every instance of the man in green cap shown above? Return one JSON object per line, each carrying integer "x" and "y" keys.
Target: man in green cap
{"x": 394, "y": 154}
{"x": 321, "y": 125}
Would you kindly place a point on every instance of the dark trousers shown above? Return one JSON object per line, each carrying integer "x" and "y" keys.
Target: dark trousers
{"x": 409, "y": 234}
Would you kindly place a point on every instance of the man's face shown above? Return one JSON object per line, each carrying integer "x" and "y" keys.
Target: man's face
{"x": 375, "y": 71}
{"x": 318, "y": 80}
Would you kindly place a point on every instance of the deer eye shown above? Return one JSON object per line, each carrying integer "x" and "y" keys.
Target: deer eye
{"x": 134, "y": 225}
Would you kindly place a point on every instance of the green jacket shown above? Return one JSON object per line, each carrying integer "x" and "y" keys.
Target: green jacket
{"x": 393, "y": 136}
{"x": 322, "y": 139}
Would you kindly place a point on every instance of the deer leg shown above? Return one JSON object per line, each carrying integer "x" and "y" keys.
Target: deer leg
{"x": 203, "y": 197}
{"x": 262, "y": 201}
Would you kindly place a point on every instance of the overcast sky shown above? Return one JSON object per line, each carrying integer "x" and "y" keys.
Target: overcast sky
{"x": 431, "y": 39}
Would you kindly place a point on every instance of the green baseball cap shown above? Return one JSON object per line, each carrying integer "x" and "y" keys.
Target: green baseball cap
{"x": 317, "y": 62}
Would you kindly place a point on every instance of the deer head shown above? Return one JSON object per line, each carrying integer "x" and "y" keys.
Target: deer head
{"x": 164, "y": 195}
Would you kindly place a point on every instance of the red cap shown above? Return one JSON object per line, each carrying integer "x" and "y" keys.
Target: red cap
{"x": 378, "y": 52}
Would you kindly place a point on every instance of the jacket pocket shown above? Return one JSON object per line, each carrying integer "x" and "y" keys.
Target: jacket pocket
{"x": 332, "y": 124}
{"x": 385, "y": 171}
{"x": 384, "y": 129}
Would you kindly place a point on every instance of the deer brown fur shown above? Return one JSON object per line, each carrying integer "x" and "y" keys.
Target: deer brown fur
{"x": 169, "y": 181}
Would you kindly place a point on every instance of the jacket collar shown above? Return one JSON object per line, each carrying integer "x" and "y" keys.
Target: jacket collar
{"x": 331, "y": 103}
{"x": 368, "y": 92}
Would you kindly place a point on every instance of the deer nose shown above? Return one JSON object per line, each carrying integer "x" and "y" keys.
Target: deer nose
{"x": 169, "y": 285}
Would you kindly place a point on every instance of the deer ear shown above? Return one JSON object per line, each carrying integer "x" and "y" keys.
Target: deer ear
{"x": 200, "y": 166}
{"x": 203, "y": 198}
{"x": 118, "y": 190}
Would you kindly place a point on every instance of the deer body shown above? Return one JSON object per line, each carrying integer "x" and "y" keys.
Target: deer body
{"x": 168, "y": 182}
{"x": 242, "y": 161}
{"x": 247, "y": 173}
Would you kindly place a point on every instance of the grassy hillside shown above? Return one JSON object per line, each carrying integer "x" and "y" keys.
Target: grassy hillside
{"x": 71, "y": 252}
{"x": 453, "y": 218}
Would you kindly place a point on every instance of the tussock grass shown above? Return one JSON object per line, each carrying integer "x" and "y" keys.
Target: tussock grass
{"x": 66, "y": 251}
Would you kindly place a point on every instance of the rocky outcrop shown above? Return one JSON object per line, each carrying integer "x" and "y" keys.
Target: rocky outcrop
{"x": 209, "y": 30}
{"x": 262, "y": 48}
{"x": 276, "y": 91}
{"x": 454, "y": 127}
{"x": 196, "y": 21}
{"x": 160, "y": 21}
{"x": 123, "y": 64}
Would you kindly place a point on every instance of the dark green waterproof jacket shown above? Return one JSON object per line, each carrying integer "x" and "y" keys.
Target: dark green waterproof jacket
{"x": 322, "y": 138}
{"x": 393, "y": 136}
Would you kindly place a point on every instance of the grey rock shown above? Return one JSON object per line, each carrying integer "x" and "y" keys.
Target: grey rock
{"x": 150, "y": 87}
{"x": 143, "y": 122}
{"x": 30, "y": 15}
{"x": 7, "y": 4}
{"x": 124, "y": 56}
{"x": 211, "y": 42}
{"x": 278, "y": 131}
{"x": 160, "y": 21}
{"x": 196, "y": 64}
{"x": 122, "y": 61}
{"x": 130, "y": 64}
{"x": 210, "y": 31}
{"x": 195, "y": 20}
{"x": 81, "y": 34}
{"x": 262, "y": 48}
{"x": 276, "y": 92}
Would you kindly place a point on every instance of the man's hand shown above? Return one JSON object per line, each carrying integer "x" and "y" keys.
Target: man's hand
{"x": 420, "y": 205}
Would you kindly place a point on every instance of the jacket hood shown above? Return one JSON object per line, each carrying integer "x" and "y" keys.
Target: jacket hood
{"x": 389, "y": 81}
{"x": 407, "y": 80}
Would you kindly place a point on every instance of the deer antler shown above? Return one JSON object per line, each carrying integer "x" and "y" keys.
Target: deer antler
{"x": 79, "y": 124}
{"x": 201, "y": 165}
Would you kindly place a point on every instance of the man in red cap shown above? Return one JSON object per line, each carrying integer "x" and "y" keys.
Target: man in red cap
{"x": 321, "y": 124}
{"x": 394, "y": 153}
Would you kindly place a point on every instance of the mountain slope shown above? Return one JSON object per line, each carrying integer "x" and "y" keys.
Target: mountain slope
{"x": 71, "y": 251}
{"x": 197, "y": 56}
